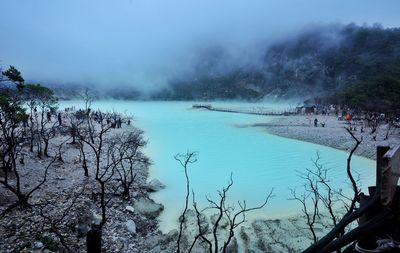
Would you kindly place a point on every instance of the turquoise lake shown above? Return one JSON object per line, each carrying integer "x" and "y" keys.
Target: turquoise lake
{"x": 257, "y": 160}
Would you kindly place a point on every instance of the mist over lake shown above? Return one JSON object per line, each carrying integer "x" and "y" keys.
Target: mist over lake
{"x": 199, "y": 126}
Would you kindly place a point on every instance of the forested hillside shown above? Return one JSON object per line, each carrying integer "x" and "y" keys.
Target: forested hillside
{"x": 349, "y": 64}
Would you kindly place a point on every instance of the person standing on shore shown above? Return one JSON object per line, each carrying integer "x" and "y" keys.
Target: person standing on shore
{"x": 315, "y": 122}
{"x": 49, "y": 116}
{"x": 59, "y": 119}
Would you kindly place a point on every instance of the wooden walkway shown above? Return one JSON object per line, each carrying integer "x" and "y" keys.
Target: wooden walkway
{"x": 254, "y": 110}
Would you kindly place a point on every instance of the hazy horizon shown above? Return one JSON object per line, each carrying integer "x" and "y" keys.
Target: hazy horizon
{"x": 143, "y": 44}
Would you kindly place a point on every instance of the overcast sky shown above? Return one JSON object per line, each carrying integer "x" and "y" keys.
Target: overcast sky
{"x": 142, "y": 43}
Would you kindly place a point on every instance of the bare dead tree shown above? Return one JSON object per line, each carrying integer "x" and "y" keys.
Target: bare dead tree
{"x": 59, "y": 157}
{"x": 329, "y": 196}
{"x": 318, "y": 195}
{"x": 352, "y": 211}
{"x": 75, "y": 121}
{"x": 47, "y": 133}
{"x": 356, "y": 190}
{"x": 105, "y": 178}
{"x": 23, "y": 195}
{"x": 111, "y": 156}
{"x": 41, "y": 103}
{"x": 312, "y": 212}
{"x": 237, "y": 218}
{"x": 234, "y": 217}
{"x": 201, "y": 232}
{"x": 104, "y": 171}
{"x": 87, "y": 99}
{"x": 185, "y": 159}
{"x": 130, "y": 156}
{"x": 94, "y": 138}
{"x": 11, "y": 144}
{"x": 54, "y": 223}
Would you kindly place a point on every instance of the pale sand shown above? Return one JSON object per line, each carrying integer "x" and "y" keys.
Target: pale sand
{"x": 301, "y": 127}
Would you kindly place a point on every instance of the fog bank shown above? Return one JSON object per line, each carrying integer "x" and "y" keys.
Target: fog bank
{"x": 143, "y": 44}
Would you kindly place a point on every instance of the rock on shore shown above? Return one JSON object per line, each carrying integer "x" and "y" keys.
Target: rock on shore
{"x": 148, "y": 207}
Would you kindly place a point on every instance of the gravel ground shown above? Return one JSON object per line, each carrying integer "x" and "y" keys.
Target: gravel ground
{"x": 301, "y": 127}
{"x": 24, "y": 229}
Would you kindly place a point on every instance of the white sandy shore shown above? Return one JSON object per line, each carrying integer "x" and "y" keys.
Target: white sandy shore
{"x": 301, "y": 127}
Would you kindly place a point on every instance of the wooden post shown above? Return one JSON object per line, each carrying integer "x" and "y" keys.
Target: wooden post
{"x": 388, "y": 168}
{"x": 380, "y": 163}
{"x": 386, "y": 184}
{"x": 367, "y": 241}
{"x": 93, "y": 240}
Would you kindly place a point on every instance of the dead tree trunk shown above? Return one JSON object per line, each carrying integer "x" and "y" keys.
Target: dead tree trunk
{"x": 376, "y": 213}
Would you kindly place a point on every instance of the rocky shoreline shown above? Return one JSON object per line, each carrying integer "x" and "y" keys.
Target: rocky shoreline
{"x": 63, "y": 209}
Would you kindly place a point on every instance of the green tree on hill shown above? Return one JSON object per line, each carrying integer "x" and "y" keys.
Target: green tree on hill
{"x": 14, "y": 75}
{"x": 379, "y": 93}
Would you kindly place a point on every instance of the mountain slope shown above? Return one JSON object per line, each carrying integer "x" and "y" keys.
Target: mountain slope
{"x": 323, "y": 61}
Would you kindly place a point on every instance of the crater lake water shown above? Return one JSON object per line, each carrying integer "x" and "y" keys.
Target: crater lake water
{"x": 257, "y": 160}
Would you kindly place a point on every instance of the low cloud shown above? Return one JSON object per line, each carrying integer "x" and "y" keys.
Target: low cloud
{"x": 145, "y": 43}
